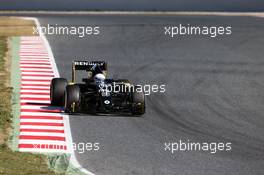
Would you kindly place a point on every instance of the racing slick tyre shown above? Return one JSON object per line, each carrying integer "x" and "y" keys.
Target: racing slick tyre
{"x": 57, "y": 91}
{"x": 72, "y": 98}
{"x": 138, "y": 103}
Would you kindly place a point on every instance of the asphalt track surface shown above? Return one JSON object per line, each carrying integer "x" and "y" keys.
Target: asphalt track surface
{"x": 178, "y": 5}
{"x": 214, "y": 93}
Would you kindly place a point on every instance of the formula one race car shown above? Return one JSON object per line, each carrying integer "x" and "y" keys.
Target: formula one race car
{"x": 96, "y": 93}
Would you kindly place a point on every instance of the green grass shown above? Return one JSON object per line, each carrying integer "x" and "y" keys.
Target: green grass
{"x": 17, "y": 163}
{"x": 11, "y": 162}
{"x": 5, "y": 92}
{"x": 14, "y": 26}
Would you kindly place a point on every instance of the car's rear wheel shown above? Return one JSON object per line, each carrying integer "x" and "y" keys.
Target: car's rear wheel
{"x": 72, "y": 98}
{"x": 138, "y": 103}
{"x": 57, "y": 91}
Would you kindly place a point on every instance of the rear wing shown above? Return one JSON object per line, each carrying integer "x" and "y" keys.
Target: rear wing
{"x": 88, "y": 66}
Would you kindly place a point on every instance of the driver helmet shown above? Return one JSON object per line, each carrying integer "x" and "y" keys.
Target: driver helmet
{"x": 99, "y": 78}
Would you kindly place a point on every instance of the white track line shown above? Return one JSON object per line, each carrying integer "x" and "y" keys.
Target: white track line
{"x": 42, "y": 150}
{"x": 42, "y": 114}
{"x": 36, "y": 78}
{"x": 36, "y": 91}
{"x": 41, "y": 127}
{"x": 28, "y": 61}
{"x": 36, "y": 87}
{"x": 35, "y": 96}
{"x": 42, "y": 134}
{"x": 33, "y": 66}
{"x": 38, "y": 107}
{"x": 35, "y": 141}
{"x": 35, "y": 69}
{"x": 35, "y": 101}
{"x": 33, "y": 57}
{"x": 41, "y": 120}
{"x": 33, "y": 82}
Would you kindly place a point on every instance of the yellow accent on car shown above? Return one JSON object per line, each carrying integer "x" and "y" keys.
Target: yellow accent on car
{"x": 73, "y": 107}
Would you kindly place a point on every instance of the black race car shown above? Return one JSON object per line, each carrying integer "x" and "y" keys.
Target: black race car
{"x": 96, "y": 93}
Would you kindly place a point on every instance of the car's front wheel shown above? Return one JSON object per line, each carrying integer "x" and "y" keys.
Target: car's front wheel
{"x": 57, "y": 91}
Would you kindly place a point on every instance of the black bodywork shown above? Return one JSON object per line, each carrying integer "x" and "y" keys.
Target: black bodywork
{"x": 96, "y": 100}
